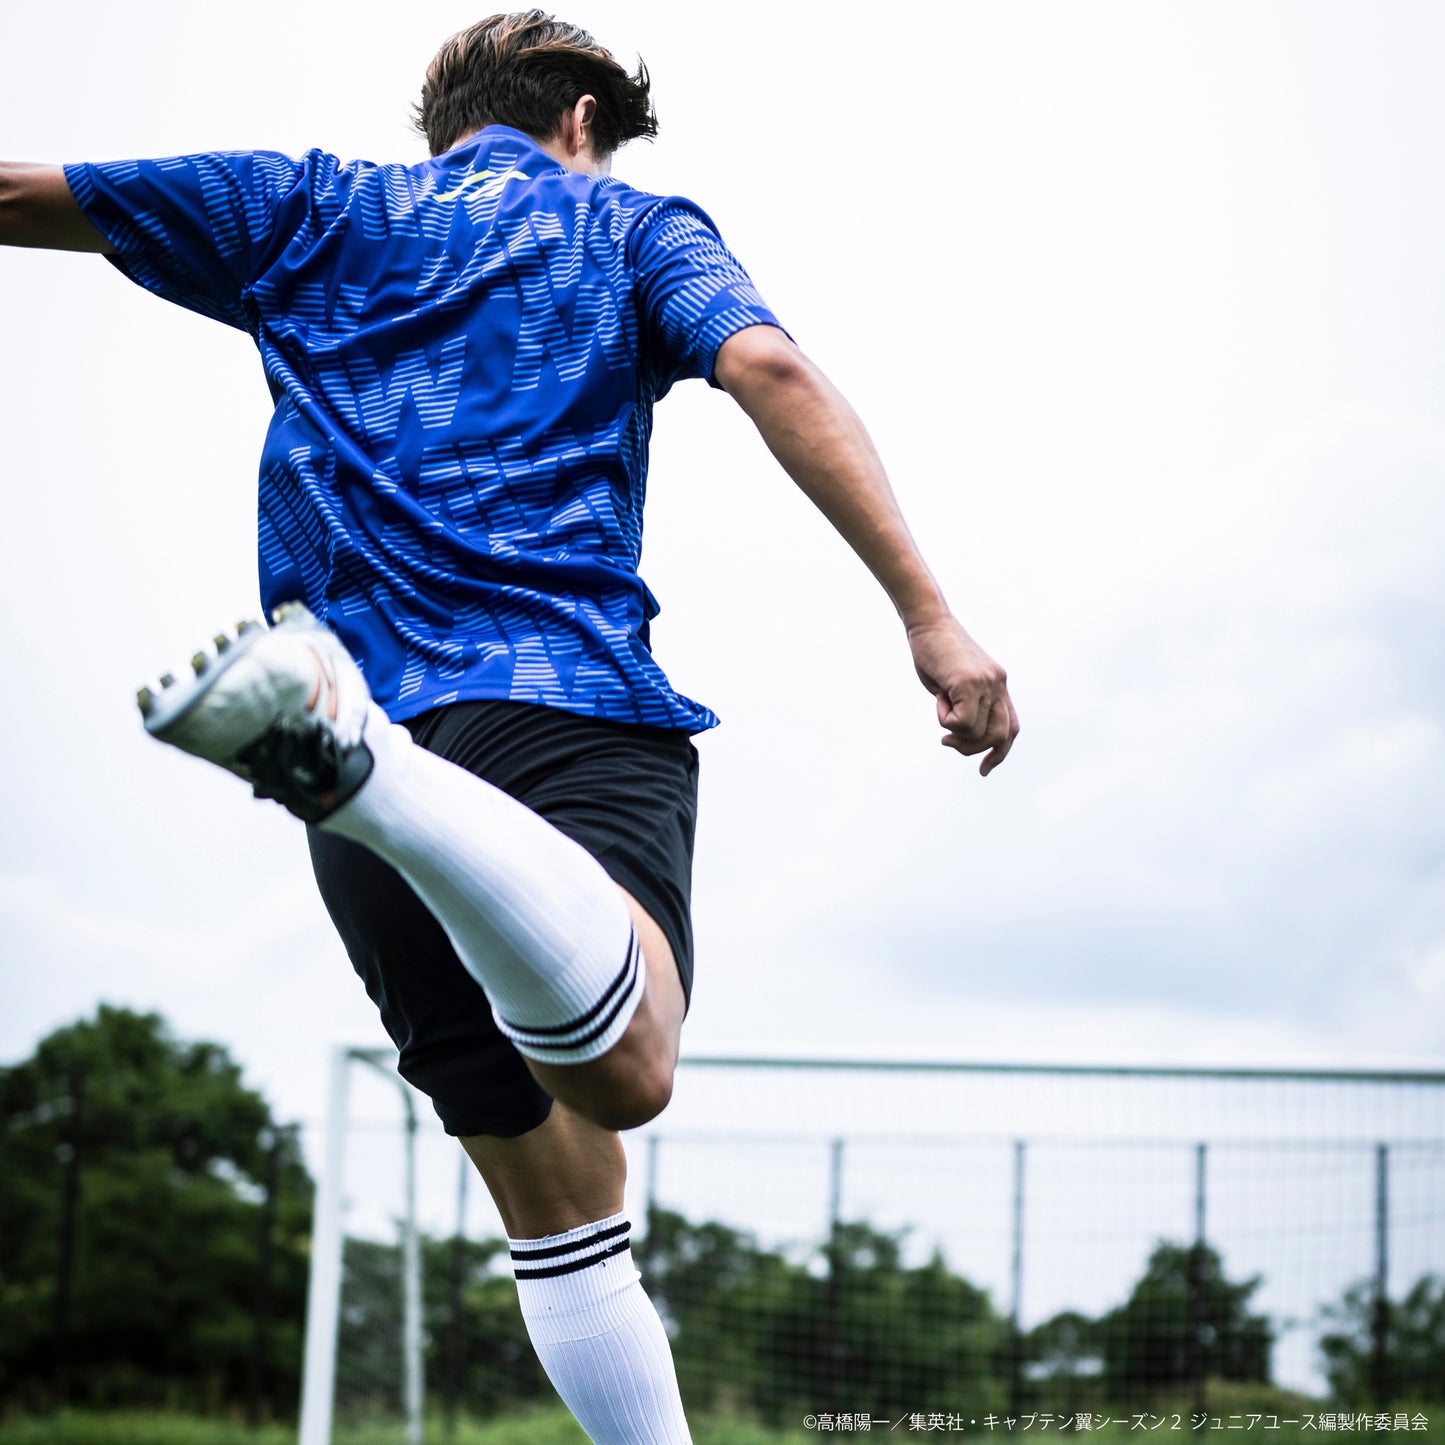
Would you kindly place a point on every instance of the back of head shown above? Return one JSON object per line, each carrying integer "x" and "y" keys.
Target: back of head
{"x": 526, "y": 70}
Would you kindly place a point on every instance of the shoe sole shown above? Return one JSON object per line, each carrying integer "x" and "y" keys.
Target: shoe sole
{"x": 165, "y": 712}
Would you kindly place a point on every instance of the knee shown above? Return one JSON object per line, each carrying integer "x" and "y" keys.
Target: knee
{"x": 637, "y": 1094}
{"x": 628, "y": 1086}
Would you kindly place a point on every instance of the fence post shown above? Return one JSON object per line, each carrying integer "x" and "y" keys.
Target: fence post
{"x": 833, "y": 1339}
{"x": 1197, "y": 1325}
{"x": 1380, "y": 1323}
{"x": 412, "y": 1361}
{"x": 411, "y": 1284}
{"x": 69, "y": 1153}
{"x": 649, "y": 1206}
{"x": 270, "y": 1141}
{"x": 455, "y": 1342}
{"x": 1015, "y": 1354}
{"x": 323, "y": 1292}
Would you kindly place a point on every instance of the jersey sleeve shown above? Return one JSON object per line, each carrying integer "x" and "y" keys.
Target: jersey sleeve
{"x": 692, "y": 290}
{"x": 193, "y": 229}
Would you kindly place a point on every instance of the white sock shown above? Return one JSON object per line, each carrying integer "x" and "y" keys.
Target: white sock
{"x": 598, "y": 1336}
{"x": 532, "y": 915}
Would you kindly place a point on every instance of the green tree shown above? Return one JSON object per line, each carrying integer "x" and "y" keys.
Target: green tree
{"x": 722, "y": 1299}
{"x": 917, "y": 1334}
{"x": 1065, "y": 1354}
{"x": 851, "y": 1327}
{"x": 1181, "y": 1315}
{"x": 369, "y": 1362}
{"x": 158, "y": 1154}
{"x": 1414, "y": 1345}
{"x": 499, "y": 1369}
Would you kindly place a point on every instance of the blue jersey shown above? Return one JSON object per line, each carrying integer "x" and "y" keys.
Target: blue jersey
{"x": 464, "y": 356}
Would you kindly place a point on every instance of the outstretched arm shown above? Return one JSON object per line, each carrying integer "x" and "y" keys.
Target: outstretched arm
{"x": 823, "y": 446}
{"x": 37, "y": 209}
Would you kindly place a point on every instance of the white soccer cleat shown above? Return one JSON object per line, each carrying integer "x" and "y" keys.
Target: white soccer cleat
{"x": 283, "y": 707}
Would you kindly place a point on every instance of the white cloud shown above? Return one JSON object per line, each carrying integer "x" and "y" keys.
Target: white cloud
{"x": 217, "y": 952}
{"x": 1146, "y": 322}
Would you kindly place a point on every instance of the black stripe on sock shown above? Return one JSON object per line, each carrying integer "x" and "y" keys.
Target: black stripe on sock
{"x": 550, "y": 1038}
{"x": 525, "y": 1252}
{"x": 539, "y": 1050}
{"x": 542, "y": 1035}
{"x": 551, "y": 1271}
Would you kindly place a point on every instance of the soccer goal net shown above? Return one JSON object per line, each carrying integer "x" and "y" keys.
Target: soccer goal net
{"x": 862, "y": 1243}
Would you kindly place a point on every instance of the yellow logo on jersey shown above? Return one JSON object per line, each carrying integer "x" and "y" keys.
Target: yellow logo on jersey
{"x": 496, "y": 179}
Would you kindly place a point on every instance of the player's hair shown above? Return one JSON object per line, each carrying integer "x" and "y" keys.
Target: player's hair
{"x": 526, "y": 70}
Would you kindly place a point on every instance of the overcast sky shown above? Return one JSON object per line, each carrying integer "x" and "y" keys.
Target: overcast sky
{"x": 1143, "y": 306}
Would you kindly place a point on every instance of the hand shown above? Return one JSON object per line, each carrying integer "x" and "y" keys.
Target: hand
{"x": 971, "y": 689}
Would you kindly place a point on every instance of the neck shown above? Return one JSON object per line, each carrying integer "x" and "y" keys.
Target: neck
{"x": 565, "y": 151}
{"x": 577, "y": 155}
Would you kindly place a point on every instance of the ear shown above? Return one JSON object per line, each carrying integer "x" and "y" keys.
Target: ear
{"x": 579, "y": 123}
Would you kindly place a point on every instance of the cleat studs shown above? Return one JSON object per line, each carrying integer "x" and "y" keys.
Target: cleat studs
{"x": 199, "y": 663}
{"x": 145, "y": 700}
{"x": 168, "y": 680}
{"x": 222, "y": 641}
{"x": 242, "y": 628}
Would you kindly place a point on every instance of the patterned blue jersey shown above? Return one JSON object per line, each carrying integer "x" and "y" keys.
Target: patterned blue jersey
{"x": 464, "y": 355}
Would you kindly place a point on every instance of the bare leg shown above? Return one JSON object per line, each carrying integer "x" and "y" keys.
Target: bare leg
{"x": 559, "y": 1191}
{"x": 565, "y": 1173}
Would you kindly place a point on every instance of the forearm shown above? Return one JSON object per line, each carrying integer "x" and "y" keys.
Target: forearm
{"x": 38, "y": 209}
{"x": 823, "y": 446}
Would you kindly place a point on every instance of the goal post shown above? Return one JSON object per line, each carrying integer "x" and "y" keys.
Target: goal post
{"x": 323, "y": 1295}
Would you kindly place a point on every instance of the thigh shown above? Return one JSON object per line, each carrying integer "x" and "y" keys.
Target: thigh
{"x": 632, "y": 1082}
{"x": 626, "y": 794}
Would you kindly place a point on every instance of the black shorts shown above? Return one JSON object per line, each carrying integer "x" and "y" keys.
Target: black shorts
{"x": 627, "y": 794}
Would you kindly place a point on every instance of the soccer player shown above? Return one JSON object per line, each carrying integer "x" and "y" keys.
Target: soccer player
{"x": 458, "y": 695}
